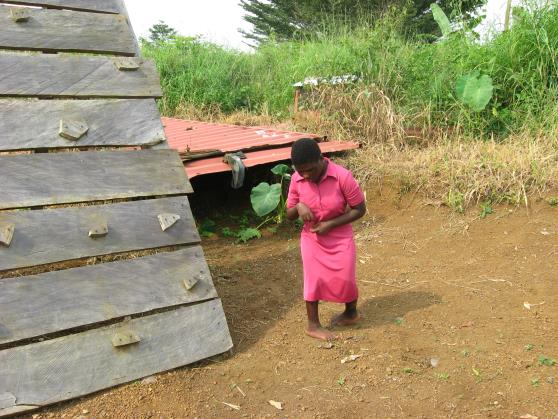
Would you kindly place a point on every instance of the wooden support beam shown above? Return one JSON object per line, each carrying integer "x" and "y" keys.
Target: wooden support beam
{"x": 28, "y": 124}
{"x": 68, "y": 76}
{"x": 60, "y": 178}
{"x": 66, "y": 31}
{"x": 59, "y": 234}
{"x": 57, "y": 301}
{"x": 73, "y": 366}
{"x": 99, "y": 6}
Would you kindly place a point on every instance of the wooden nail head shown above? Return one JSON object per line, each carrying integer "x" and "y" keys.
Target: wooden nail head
{"x": 127, "y": 63}
{"x": 189, "y": 283}
{"x": 124, "y": 338}
{"x": 99, "y": 228}
{"x": 19, "y": 14}
{"x": 6, "y": 233}
{"x": 167, "y": 220}
{"x": 72, "y": 129}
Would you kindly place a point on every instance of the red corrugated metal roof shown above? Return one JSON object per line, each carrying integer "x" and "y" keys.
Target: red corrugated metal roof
{"x": 254, "y": 158}
{"x": 196, "y": 136}
{"x": 191, "y": 137}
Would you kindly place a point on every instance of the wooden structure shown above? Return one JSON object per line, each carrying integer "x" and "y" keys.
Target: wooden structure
{"x": 103, "y": 280}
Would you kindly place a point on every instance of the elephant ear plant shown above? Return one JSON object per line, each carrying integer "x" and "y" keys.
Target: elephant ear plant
{"x": 269, "y": 200}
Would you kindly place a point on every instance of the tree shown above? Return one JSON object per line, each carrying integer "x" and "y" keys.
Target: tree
{"x": 292, "y": 19}
{"x": 161, "y": 33}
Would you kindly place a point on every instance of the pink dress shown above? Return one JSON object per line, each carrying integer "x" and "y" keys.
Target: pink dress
{"x": 328, "y": 260}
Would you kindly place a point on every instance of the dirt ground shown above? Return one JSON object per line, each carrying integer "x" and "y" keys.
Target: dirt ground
{"x": 459, "y": 314}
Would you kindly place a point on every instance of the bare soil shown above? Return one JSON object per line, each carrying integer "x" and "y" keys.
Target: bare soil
{"x": 436, "y": 288}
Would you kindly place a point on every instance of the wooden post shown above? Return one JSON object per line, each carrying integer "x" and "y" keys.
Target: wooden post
{"x": 297, "y": 92}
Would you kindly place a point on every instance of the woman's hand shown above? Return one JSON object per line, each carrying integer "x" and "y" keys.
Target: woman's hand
{"x": 322, "y": 227}
{"x": 304, "y": 212}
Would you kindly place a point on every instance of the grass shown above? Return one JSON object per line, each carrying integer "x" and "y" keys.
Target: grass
{"x": 416, "y": 76}
{"x": 415, "y": 133}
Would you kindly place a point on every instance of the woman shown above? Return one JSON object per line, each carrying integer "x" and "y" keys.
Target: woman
{"x": 327, "y": 198}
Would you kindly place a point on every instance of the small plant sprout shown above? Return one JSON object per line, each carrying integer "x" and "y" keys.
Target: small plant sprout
{"x": 408, "y": 370}
{"x": 535, "y": 382}
{"x": 341, "y": 381}
{"x": 248, "y": 234}
{"x": 485, "y": 209}
{"x": 529, "y": 347}
{"x": 399, "y": 321}
{"x": 465, "y": 352}
{"x": 477, "y": 374}
{"x": 549, "y": 362}
{"x": 442, "y": 376}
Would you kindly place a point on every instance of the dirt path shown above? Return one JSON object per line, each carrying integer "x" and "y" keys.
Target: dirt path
{"x": 435, "y": 288}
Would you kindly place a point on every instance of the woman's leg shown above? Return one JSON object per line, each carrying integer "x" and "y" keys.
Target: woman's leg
{"x": 315, "y": 328}
{"x": 349, "y": 317}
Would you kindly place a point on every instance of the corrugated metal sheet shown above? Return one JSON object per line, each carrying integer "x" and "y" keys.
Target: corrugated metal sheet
{"x": 195, "y": 137}
{"x": 254, "y": 158}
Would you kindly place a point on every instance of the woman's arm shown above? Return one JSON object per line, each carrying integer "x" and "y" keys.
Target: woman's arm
{"x": 353, "y": 214}
{"x": 300, "y": 210}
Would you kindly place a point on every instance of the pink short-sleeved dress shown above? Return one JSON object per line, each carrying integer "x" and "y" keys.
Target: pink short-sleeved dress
{"x": 328, "y": 260}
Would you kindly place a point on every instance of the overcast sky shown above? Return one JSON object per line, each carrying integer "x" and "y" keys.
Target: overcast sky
{"x": 219, "y": 20}
{"x": 215, "y": 20}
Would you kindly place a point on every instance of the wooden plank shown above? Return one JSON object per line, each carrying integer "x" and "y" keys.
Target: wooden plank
{"x": 55, "y": 235}
{"x": 56, "y": 301}
{"x": 67, "y": 31}
{"x": 59, "y": 75}
{"x": 99, "y": 6}
{"x": 29, "y": 124}
{"x": 59, "y": 178}
{"x": 76, "y": 365}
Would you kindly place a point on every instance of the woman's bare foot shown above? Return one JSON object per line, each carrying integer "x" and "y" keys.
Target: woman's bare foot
{"x": 318, "y": 332}
{"x": 346, "y": 319}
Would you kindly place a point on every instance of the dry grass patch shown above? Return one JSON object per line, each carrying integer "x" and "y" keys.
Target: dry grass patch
{"x": 461, "y": 172}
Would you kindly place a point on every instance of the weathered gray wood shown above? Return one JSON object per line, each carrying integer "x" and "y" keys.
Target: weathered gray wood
{"x": 32, "y": 123}
{"x": 59, "y": 234}
{"x": 76, "y": 365}
{"x": 67, "y": 31}
{"x": 60, "y": 75}
{"x": 56, "y": 301}
{"x": 101, "y": 6}
{"x": 58, "y": 178}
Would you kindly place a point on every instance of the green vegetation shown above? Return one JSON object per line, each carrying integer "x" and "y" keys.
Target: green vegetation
{"x": 463, "y": 121}
{"x": 427, "y": 83}
{"x": 294, "y": 19}
{"x": 267, "y": 199}
{"x": 549, "y": 362}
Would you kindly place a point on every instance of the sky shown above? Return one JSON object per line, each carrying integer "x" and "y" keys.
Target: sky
{"x": 216, "y": 20}
{"x": 219, "y": 20}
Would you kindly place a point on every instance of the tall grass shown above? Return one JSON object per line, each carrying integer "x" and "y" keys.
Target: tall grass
{"x": 418, "y": 77}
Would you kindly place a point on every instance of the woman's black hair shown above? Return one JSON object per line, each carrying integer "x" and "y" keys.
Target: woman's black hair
{"x": 305, "y": 150}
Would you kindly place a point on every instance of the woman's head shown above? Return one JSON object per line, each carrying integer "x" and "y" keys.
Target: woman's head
{"x": 307, "y": 159}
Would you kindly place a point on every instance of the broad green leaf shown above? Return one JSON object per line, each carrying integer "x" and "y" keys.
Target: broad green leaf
{"x": 281, "y": 169}
{"x": 441, "y": 18}
{"x": 265, "y": 198}
{"x": 474, "y": 91}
